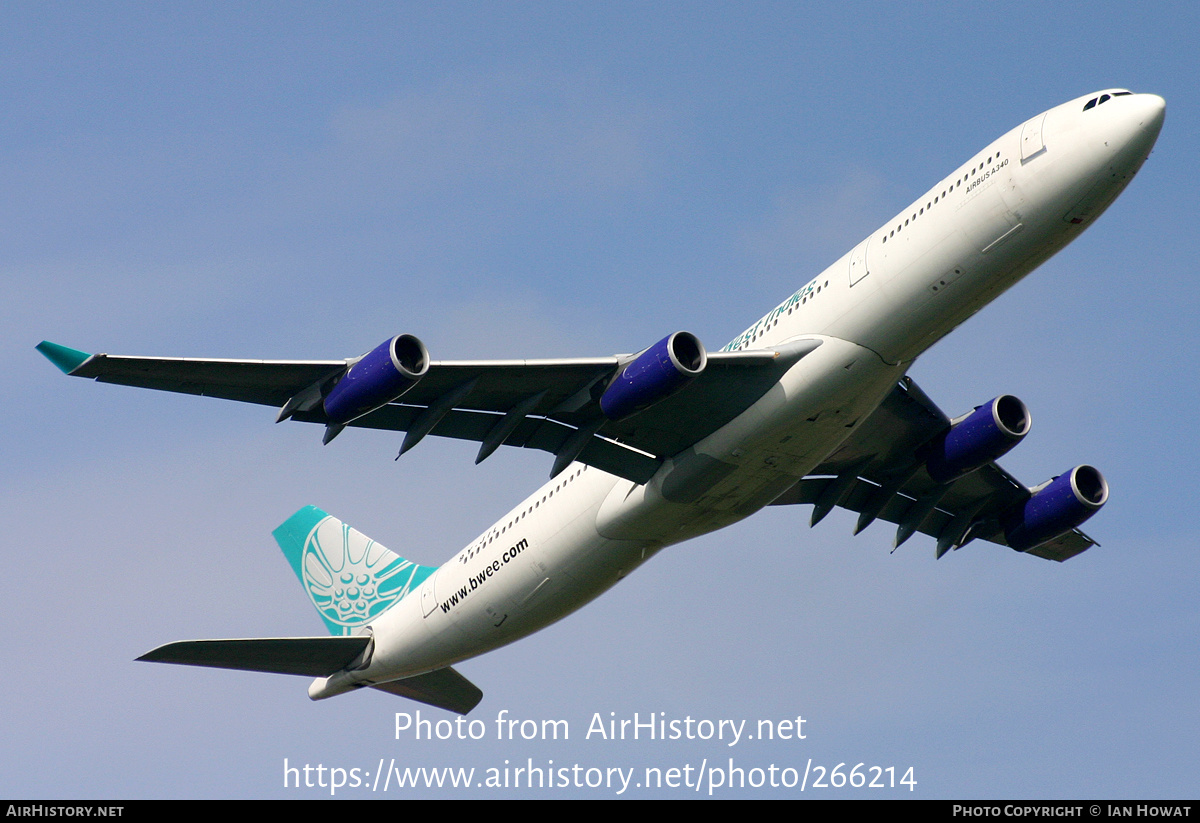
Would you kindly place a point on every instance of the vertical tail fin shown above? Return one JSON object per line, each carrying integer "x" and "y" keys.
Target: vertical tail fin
{"x": 349, "y": 578}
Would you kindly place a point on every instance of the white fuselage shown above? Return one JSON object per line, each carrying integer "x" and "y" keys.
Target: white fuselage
{"x": 964, "y": 242}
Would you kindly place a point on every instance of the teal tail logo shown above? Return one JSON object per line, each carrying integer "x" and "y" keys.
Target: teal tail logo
{"x": 349, "y": 577}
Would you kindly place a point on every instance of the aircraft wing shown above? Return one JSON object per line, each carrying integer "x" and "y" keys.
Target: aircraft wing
{"x": 550, "y": 405}
{"x": 878, "y": 474}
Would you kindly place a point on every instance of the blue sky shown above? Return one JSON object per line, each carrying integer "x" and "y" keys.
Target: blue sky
{"x": 502, "y": 180}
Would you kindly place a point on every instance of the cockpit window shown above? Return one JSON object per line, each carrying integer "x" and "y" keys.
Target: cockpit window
{"x": 1104, "y": 98}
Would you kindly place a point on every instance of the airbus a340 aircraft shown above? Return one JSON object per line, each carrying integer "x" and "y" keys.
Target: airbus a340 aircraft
{"x": 809, "y": 405}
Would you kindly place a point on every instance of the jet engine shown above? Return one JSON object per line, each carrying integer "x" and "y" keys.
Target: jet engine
{"x": 654, "y": 375}
{"x": 983, "y": 436}
{"x": 377, "y": 378}
{"x": 1057, "y": 507}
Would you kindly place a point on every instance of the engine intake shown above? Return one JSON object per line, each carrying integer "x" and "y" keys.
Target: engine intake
{"x": 654, "y": 375}
{"x": 377, "y": 378}
{"x": 1061, "y": 505}
{"x": 985, "y": 435}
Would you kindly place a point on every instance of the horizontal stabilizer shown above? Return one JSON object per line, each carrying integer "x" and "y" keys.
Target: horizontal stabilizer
{"x": 311, "y": 656}
{"x": 444, "y": 688}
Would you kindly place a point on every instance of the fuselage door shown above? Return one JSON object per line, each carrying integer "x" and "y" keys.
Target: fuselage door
{"x": 1032, "y": 140}
{"x": 428, "y": 597}
{"x": 858, "y": 262}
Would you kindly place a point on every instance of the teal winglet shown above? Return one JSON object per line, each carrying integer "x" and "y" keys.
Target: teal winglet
{"x": 66, "y": 359}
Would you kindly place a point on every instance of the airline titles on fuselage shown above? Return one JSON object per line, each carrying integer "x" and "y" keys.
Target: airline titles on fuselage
{"x": 800, "y": 297}
{"x": 479, "y": 578}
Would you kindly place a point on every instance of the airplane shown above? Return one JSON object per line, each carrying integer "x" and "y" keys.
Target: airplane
{"x": 809, "y": 405}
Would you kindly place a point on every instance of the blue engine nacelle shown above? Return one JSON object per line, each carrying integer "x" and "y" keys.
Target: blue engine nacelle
{"x": 656, "y": 374}
{"x": 377, "y": 378}
{"x": 1061, "y": 505}
{"x": 984, "y": 436}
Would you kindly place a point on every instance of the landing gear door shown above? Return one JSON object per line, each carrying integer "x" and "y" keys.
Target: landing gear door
{"x": 858, "y": 262}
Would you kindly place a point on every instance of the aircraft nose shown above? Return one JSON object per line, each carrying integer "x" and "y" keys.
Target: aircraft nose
{"x": 1143, "y": 120}
{"x": 1154, "y": 112}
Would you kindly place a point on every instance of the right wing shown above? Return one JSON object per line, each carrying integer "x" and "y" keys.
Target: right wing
{"x": 552, "y": 405}
{"x": 880, "y": 473}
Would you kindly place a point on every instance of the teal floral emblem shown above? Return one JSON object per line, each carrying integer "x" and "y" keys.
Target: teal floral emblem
{"x": 350, "y": 578}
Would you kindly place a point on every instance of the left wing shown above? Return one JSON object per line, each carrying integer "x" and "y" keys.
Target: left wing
{"x": 552, "y": 405}
{"x": 882, "y": 472}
